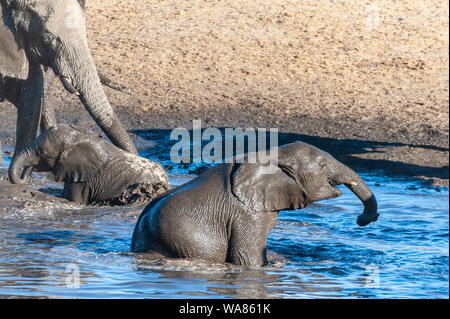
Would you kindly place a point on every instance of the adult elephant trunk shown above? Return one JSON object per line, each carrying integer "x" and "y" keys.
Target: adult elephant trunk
{"x": 79, "y": 76}
{"x": 348, "y": 177}
{"x": 25, "y": 158}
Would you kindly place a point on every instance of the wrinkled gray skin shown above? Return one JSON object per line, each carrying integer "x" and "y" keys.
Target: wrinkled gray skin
{"x": 93, "y": 170}
{"x": 226, "y": 213}
{"x": 40, "y": 39}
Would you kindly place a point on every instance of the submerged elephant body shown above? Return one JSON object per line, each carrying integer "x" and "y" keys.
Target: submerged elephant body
{"x": 202, "y": 220}
{"x": 226, "y": 213}
{"x": 92, "y": 169}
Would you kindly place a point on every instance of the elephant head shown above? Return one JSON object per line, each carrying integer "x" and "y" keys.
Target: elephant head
{"x": 304, "y": 174}
{"x": 52, "y": 33}
{"x": 49, "y": 151}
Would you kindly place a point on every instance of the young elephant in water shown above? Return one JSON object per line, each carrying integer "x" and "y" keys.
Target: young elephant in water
{"x": 226, "y": 213}
{"x": 93, "y": 170}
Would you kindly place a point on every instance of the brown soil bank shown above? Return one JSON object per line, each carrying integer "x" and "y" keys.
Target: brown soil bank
{"x": 365, "y": 80}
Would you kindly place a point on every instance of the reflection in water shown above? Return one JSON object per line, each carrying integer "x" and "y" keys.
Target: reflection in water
{"x": 218, "y": 279}
{"x": 317, "y": 252}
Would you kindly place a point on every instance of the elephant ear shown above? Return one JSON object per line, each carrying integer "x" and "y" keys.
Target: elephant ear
{"x": 13, "y": 60}
{"x": 80, "y": 163}
{"x": 262, "y": 188}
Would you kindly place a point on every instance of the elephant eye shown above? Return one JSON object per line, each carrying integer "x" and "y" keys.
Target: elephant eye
{"x": 322, "y": 163}
{"x": 50, "y": 38}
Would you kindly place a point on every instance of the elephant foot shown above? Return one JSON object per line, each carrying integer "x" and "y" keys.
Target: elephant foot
{"x": 365, "y": 219}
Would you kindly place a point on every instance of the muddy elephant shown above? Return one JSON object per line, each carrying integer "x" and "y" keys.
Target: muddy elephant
{"x": 93, "y": 170}
{"x": 226, "y": 213}
{"x": 40, "y": 40}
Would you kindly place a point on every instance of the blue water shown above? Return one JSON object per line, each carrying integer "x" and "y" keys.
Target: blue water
{"x": 317, "y": 252}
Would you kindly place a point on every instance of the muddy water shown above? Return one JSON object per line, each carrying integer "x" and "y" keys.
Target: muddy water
{"x": 317, "y": 252}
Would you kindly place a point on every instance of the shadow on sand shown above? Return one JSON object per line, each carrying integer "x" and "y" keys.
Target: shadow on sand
{"x": 351, "y": 152}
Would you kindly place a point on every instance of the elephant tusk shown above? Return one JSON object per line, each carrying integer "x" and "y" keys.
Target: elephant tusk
{"x": 350, "y": 183}
{"x": 69, "y": 86}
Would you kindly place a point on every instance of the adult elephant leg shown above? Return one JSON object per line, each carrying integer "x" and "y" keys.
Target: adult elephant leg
{"x": 48, "y": 118}
{"x": 29, "y": 107}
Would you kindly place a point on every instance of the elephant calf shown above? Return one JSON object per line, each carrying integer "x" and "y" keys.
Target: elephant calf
{"x": 93, "y": 170}
{"x": 226, "y": 213}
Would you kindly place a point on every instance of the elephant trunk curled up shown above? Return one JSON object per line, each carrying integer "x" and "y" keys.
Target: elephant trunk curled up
{"x": 353, "y": 181}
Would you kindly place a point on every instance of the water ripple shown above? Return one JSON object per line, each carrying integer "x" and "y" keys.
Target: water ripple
{"x": 317, "y": 252}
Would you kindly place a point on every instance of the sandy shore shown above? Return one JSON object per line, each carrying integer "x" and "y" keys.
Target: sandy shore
{"x": 366, "y": 82}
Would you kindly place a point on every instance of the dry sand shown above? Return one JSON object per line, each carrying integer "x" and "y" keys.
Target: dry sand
{"x": 366, "y": 80}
